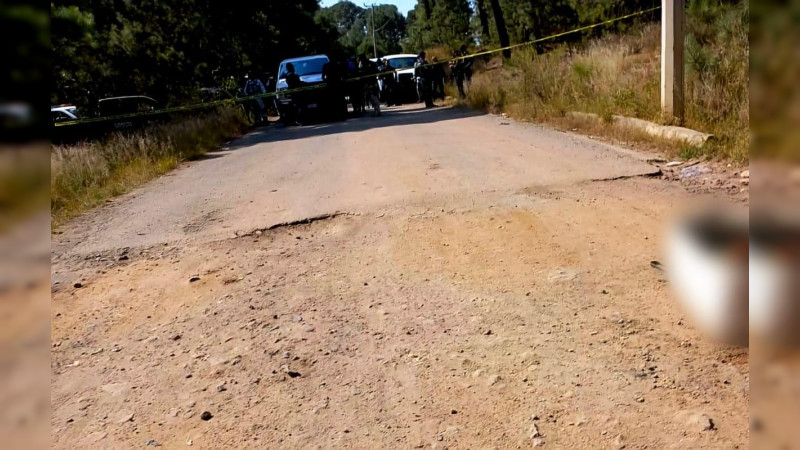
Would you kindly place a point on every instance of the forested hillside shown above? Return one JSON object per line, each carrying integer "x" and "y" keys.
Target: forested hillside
{"x": 169, "y": 50}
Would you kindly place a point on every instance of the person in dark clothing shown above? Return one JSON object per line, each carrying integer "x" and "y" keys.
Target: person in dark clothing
{"x": 335, "y": 103}
{"x": 438, "y": 74}
{"x": 354, "y": 88}
{"x": 369, "y": 83}
{"x": 389, "y": 91}
{"x": 422, "y": 72}
{"x": 293, "y": 81}
{"x": 462, "y": 70}
{"x": 256, "y": 108}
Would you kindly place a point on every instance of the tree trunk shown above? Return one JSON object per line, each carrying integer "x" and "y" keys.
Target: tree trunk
{"x": 537, "y": 23}
{"x": 500, "y": 23}
{"x": 484, "y": 18}
{"x": 426, "y": 5}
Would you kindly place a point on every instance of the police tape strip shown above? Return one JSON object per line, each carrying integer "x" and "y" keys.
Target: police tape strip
{"x": 231, "y": 101}
{"x": 557, "y": 35}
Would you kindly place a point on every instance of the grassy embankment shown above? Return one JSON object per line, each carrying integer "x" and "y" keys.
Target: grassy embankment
{"x": 620, "y": 75}
{"x": 84, "y": 175}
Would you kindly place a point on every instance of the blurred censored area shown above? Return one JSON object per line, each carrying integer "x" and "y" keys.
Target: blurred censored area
{"x": 24, "y": 226}
{"x": 775, "y": 225}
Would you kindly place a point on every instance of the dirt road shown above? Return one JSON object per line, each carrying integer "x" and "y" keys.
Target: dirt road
{"x": 464, "y": 281}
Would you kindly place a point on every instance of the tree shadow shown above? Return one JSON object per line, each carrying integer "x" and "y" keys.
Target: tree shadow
{"x": 392, "y": 117}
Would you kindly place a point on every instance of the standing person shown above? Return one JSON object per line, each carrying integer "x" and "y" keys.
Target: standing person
{"x": 422, "y": 72}
{"x": 369, "y": 73}
{"x": 462, "y": 70}
{"x": 467, "y": 65}
{"x": 336, "y": 104}
{"x": 354, "y": 90}
{"x": 293, "y": 81}
{"x": 390, "y": 84}
{"x": 255, "y": 87}
{"x": 437, "y": 70}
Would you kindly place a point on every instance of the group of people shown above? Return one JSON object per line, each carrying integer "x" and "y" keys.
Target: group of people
{"x": 431, "y": 75}
{"x": 364, "y": 82}
{"x": 374, "y": 82}
{"x": 363, "y": 87}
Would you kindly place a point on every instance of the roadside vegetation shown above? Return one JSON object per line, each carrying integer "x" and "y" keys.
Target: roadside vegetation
{"x": 86, "y": 174}
{"x": 620, "y": 74}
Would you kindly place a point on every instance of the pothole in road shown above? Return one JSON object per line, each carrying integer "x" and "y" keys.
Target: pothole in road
{"x": 653, "y": 174}
{"x": 294, "y": 223}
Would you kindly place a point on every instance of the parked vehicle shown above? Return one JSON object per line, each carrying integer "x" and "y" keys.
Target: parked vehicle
{"x": 299, "y": 106}
{"x": 403, "y": 65}
{"x": 63, "y": 113}
{"x": 114, "y": 106}
{"x": 131, "y": 104}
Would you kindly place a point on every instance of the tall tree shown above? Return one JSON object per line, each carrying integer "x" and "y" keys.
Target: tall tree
{"x": 551, "y": 17}
{"x": 390, "y": 30}
{"x": 483, "y": 18}
{"x": 170, "y": 49}
{"x": 500, "y": 23}
{"x": 449, "y": 25}
{"x": 353, "y": 27}
{"x": 426, "y": 6}
{"x": 349, "y": 22}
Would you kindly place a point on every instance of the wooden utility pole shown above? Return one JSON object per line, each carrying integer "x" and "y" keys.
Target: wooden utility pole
{"x": 374, "y": 48}
{"x": 672, "y": 66}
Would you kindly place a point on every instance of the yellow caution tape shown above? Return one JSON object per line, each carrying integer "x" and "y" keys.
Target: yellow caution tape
{"x": 557, "y": 35}
{"x": 323, "y": 85}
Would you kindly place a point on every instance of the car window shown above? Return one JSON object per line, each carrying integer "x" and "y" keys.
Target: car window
{"x": 145, "y": 105}
{"x": 59, "y": 116}
{"x": 309, "y": 66}
{"x": 403, "y": 63}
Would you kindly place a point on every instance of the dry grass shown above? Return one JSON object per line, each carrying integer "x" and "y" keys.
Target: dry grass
{"x": 84, "y": 175}
{"x": 621, "y": 75}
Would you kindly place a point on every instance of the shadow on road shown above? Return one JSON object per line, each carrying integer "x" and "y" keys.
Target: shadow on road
{"x": 391, "y": 117}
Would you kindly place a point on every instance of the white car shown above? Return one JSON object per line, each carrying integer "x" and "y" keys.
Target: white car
{"x": 63, "y": 113}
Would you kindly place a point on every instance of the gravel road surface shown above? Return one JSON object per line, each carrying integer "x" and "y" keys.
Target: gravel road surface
{"x": 426, "y": 279}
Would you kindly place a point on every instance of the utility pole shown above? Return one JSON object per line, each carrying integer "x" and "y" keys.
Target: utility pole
{"x": 672, "y": 64}
{"x": 374, "y": 48}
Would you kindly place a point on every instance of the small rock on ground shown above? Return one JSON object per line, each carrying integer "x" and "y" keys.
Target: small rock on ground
{"x": 125, "y": 416}
{"x": 702, "y": 422}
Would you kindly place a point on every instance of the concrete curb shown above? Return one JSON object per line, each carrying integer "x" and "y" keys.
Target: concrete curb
{"x": 671, "y": 133}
